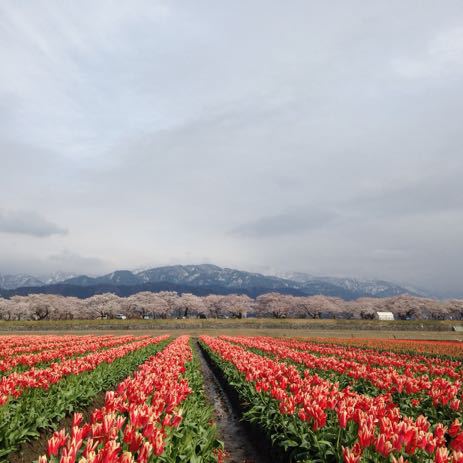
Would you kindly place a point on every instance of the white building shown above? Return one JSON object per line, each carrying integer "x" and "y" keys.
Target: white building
{"x": 385, "y": 315}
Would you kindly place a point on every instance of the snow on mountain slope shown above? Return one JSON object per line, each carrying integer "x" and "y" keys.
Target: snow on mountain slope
{"x": 213, "y": 276}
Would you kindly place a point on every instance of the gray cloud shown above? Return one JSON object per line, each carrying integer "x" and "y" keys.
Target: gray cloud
{"x": 430, "y": 194}
{"x": 329, "y": 142}
{"x": 43, "y": 265}
{"x": 28, "y": 223}
{"x": 72, "y": 262}
{"x": 285, "y": 224}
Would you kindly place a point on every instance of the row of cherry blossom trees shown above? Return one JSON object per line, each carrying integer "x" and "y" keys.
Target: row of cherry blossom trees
{"x": 169, "y": 304}
{"x": 165, "y": 304}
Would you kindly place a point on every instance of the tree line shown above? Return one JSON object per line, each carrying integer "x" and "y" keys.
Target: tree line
{"x": 170, "y": 304}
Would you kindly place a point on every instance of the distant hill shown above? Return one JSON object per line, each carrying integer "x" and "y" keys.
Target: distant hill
{"x": 201, "y": 279}
{"x": 127, "y": 290}
{"x": 16, "y": 281}
{"x": 26, "y": 280}
{"x": 358, "y": 286}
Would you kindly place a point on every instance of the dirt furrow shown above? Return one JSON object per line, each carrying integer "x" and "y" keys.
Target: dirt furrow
{"x": 239, "y": 446}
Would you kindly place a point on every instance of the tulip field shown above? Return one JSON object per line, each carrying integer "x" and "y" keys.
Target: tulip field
{"x": 329, "y": 402}
{"x": 127, "y": 399}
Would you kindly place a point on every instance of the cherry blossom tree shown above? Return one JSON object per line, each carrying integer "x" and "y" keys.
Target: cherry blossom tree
{"x": 275, "y": 304}
{"x": 237, "y": 306}
{"x": 7, "y": 309}
{"x": 188, "y": 304}
{"x": 147, "y": 304}
{"x": 20, "y": 309}
{"x": 169, "y": 303}
{"x": 41, "y": 305}
{"x": 309, "y": 307}
{"x": 170, "y": 298}
{"x": 454, "y": 308}
{"x": 213, "y": 304}
{"x": 103, "y": 305}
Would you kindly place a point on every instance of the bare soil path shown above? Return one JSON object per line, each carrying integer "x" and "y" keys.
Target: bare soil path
{"x": 238, "y": 444}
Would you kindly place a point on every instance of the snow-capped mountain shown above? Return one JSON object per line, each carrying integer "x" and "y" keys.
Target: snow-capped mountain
{"x": 193, "y": 275}
{"x": 362, "y": 287}
{"x": 25, "y": 280}
{"x": 119, "y": 277}
{"x": 18, "y": 281}
{"x": 207, "y": 278}
{"x": 57, "y": 277}
{"x": 213, "y": 276}
{"x": 208, "y": 274}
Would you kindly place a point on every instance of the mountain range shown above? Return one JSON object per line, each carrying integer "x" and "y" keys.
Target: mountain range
{"x": 199, "y": 279}
{"x": 25, "y": 280}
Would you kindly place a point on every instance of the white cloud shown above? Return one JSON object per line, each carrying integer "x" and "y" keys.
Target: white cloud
{"x": 443, "y": 55}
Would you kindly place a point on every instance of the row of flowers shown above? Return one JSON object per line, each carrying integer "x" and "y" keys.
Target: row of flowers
{"x": 441, "y": 391}
{"x": 16, "y": 383}
{"x": 39, "y": 409}
{"x": 145, "y": 417}
{"x": 65, "y": 350}
{"x": 415, "y": 363}
{"x": 330, "y": 423}
{"x": 453, "y": 349}
{"x": 13, "y": 345}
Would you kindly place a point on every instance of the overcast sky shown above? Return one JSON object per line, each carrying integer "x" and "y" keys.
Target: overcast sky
{"x": 323, "y": 137}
